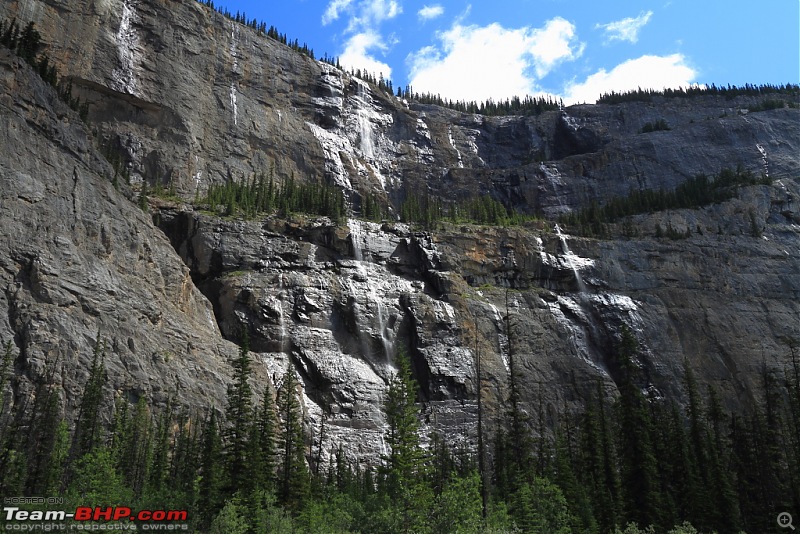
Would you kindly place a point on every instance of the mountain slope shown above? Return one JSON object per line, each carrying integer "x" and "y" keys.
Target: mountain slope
{"x": 187, "y": 98}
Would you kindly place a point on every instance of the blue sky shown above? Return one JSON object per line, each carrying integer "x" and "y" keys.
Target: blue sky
{"x": 572, "y": 49}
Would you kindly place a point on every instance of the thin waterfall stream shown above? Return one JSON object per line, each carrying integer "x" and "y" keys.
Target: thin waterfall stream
{"x": 571, "y": 260}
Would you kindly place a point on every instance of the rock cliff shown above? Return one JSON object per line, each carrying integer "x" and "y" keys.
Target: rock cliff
{"x": 188, "y": 98}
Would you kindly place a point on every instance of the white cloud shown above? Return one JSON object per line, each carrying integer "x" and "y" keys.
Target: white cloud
{"x": 356, "y": 54}
{"x": 363, "y": 35}
{"x": 374, "y": 12}
{"x": 333, "y": 10}
{"x": 647, "y": 72}
{"x": 552, "y": 44}
{"x": 626, "y": 29}
{"x": 430, "y": 12}
{"x": 482, "y": 62}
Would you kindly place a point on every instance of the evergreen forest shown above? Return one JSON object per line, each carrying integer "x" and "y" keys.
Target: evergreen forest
{"x": 628, "y": 464}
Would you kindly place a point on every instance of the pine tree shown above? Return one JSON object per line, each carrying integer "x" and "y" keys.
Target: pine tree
{"x": 481, "y": 446}
{"x": 698, "y": 466}
{"x": 44, "y": 450}
{"x": 792, "y": 378}
{"x": 406, "y": 468}
{"x": 639, "y": 469}
{"x": 293, "y": 476}
{"x": 135, "y": 447}
{"x": 725, "y": 516}
{"x": 211, "y": 472}
{"x": 263, "y": 444}
{"x": 13, "y": 460}
{"x": 88, "y": 429}
{"x": 239, "y": 417}
{"x": 184, "y": 463}
{"x": 540, "y": 506}
{"x": 5, "y": 368}
{"x": 96, "y": 482}
{"x": 601, "y": 464}
{"x": 517, "y": 449}
{"x": 575, "y": 494}
{"x": 159, "y": 469}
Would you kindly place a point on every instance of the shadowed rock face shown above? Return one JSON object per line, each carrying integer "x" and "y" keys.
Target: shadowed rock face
{"x": 78, "y": 261}
{"x": 189, "y": 98}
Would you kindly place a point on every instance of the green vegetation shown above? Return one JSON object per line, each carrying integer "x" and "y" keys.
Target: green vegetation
{"x": 729, "y": 92}
{"x": 701, "y": 190}
{"x": 513, "y": 106}
{"x": 27, "y": 44}
{"x": 372, "y": 209}
{"x": 263, "y": 196}
{"x": 428, "y": 211}
{"x": 659, "y": 125}
{"x": 639, "y": 464}
{"x": 766, "y": 105}
{"x": 670, "y": 232}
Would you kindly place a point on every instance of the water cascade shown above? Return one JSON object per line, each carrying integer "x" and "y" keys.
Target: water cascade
{"x": 366, "y": 273}
{"x": 763, "y": 152}
{"x": 502, "y": 336}
{"x": 234, "y": 50}
{"x": 553, "y": 175}
{"x": 233, "y": 104}
{"x": 571, "y": 260}
{"x": 453, "y": 144}
{"x": 366, "y": 141}
{"x": 281, "y": 324}
{"x": 127, "y": 51}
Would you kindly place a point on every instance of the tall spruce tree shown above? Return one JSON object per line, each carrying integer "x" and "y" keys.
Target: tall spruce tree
{"x": 263, "y": 444}
{"x": 599, "y": 468}
{"x": 159, "y": 469}
{"x": 5, "y": 371}
{"x": 293, "y": 475}
{"x": 88, "y": 429}
{"x": 239, "y": 414}
{"x": 211, "y": 497}
{"x": 406, "y": 470}
{"x": 725, "y": 516}
{"x": 44, "y": 469}
{"x": 639, "y": 467}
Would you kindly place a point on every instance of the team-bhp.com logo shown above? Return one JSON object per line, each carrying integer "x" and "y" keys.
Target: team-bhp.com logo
{"x": 94, "y": 518}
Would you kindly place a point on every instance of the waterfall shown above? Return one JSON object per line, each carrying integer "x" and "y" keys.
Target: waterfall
{"x": 369, "y": 274}
{"x": 233, "y": 104}
{"x": 197, "y": 175}
{"x": 281, "y": 324}
{"x": 502, "y": 337}
{"x": 571, "y": 259}
{"x": 763, "y": 152}
{"x": 366, "y": 141}
{"x": 453, "y": 144}
{"x": 234, "y": 50}
{"x": 553, "y": 175}
{"x": 129, "y": 57}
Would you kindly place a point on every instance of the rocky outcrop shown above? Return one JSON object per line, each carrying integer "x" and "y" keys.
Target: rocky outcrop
{"x": 79, "y": 264}
{"x": 188, "y": 98}
{"x": 341, "y": 301}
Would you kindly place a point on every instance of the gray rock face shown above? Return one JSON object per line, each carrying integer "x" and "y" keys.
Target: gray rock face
{"x": 190, "y": 98}
{"x": 78, "y": 261}
{"x": 340, "y": 301}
